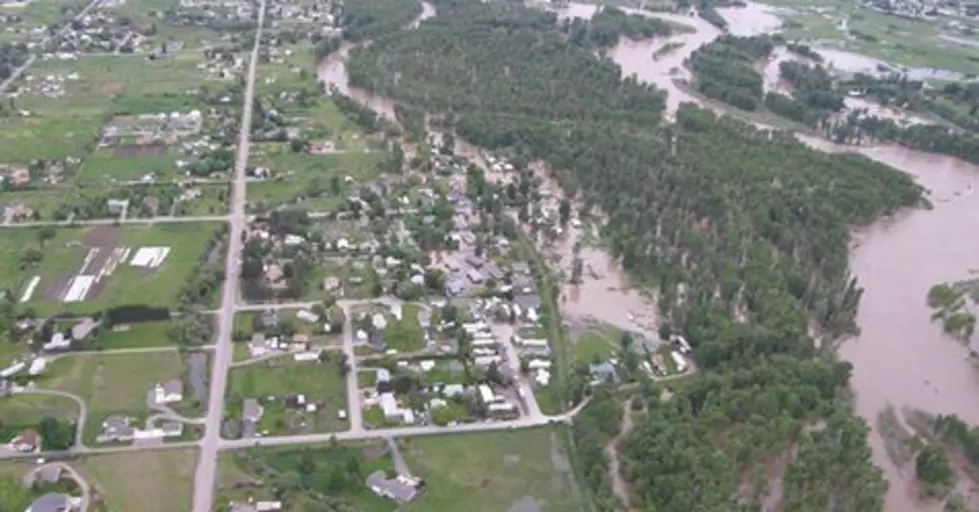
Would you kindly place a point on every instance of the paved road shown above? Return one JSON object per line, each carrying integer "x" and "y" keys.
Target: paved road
{"x": 112, "y": 222}
{"x": 223, "y": 351}
{"x": 504, "y": 333}
{"x": 354, "y": 411}
{"x": 351, "y": 435}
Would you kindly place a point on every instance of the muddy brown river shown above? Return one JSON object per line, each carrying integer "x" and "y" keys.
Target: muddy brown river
{"x": 900, "y": 357}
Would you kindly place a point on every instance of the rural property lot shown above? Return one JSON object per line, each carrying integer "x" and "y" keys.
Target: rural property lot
{"x": 283, "y": 377}
{"x": 112, "y": 382}
{"x": 24, "y": 139}
{"x": 89, "y": 269}
{"x": 492, "y": 472}
{"x": 155, "y": 481}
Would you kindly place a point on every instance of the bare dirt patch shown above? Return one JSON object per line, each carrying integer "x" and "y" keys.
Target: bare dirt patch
{"x": 139, "y": 150}
{"x": 102, "y": 236}
{"x": 113, "y": 88}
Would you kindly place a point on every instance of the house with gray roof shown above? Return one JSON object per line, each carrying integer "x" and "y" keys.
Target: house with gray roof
{"x": 401, "y": 489}
{"x": 53, "y": 502}
{"x": 251, "y": 414}
{"x": 83, "y": 329}
{"x": 116, "y": 428}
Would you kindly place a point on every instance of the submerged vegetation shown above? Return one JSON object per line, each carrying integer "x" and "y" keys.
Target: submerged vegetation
{"x": 951, "y": 305}
{"x": 725, "y": 69}
{"x": 743, "y": 232}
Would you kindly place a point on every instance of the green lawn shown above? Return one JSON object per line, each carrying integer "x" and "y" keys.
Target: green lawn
{"x": 23, "y": 139}
{"x": 405, "y": 335}
{"x": 104, "y": 167}
{"x": 31, "y": 409}
{"x": 596, "y": 344}
{"x": 283, "y": 377}
{"x": 491, "y": 472}
{"x": 150, "y": 481}
{"x": 353, "y": 461}
{"x": 112, "y": 382}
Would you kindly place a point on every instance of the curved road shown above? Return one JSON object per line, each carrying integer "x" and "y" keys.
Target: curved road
{"x": 82, "y": 409}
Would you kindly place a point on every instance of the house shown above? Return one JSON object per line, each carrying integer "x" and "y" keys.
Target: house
{"x": 474, "y": 276}
{"x": 307, "y": 316}
{"x": 53, "y": 502}
{"x": 603, "y": 372}
{"x": 83, "y": 329}
{"x": 453, "y": 286}
{"x": 37, "y": 366}
{"x": 258, "y": 347}
{"x": 117, "y": 206}
{"x": 58, "y": 342}
{"x": 401, "y": 489}
{"x": 44, "y": 475}
{"x": 383, "y": 375}
{"x": 331, "y": 284}
{"x": 251, "y": 414}
{"x": 116, "y": 428}
{"x": 12, "y": 370}
{"x": 392, "y": 412}
{"x": 379, "y": 322}
{"x": 26, "y": 442}
{"x": 168, "y": 392}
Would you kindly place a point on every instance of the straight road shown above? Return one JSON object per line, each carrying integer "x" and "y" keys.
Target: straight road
{"x": 223, "y": 350}
{"x": 112, "y": 222}
{"x": 354, "y": 411}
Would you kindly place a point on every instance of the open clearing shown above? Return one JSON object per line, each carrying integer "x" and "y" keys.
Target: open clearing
{"x": 97, "y": 252}
{"x": 109, "y": 382}
{"x": 492, "y": 472}
{"x": 154, "y": 481}
{"x": 23, "y": 139}
{"x": 29, "y": 410}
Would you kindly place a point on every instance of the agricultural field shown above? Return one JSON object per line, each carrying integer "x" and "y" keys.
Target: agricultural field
{"x": 490, "y": 472}
{"x": 275, "y": 380}
{"x": 90, "y": 269}
{"x": 125, "y": 336}
{"x": 152, "y": 481}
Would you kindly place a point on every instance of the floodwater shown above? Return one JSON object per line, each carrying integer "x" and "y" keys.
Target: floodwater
{"x": 850, "y": 62}
{"x": 772, "y": 74}
{"x": 900, "y": 356}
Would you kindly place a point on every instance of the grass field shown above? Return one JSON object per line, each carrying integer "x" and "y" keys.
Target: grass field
{"x": 23, "y": 139}
{"x": 153, "y": 481}
{"x": 283, "y": 377}
{"x": 491, "y": 472}
{"x": 63, "y": 255}
{"x": 596, "y": 344}
{"x": 31, "y": 409}
{"x": 102, "y": 167}
{"x": 405, "y": 335}
{"x": 109, "y": 382}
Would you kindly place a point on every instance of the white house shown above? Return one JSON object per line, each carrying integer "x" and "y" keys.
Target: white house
{"x": 168, "y": 392}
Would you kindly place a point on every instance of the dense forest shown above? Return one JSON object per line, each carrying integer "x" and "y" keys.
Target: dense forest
{"x": 367, "y": 19}
{"x": 725, "y": 69}
{"x": 12, "y": 56}
{"x": 610, "y": 23}
{"x": 744, "y": 233}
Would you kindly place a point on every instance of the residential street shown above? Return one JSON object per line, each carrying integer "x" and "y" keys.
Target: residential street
{"x": 204, "y": 480}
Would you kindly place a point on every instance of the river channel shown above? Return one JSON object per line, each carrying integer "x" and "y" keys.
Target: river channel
{"x": 900, "y": 356}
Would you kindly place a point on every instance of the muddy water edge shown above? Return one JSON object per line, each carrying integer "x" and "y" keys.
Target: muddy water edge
{"x": 900, "y": 357}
